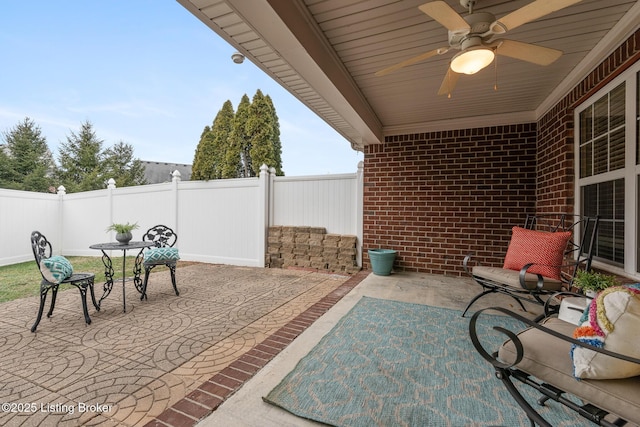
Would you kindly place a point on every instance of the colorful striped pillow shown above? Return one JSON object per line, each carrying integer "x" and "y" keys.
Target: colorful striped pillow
{"x": 611, "y": 321}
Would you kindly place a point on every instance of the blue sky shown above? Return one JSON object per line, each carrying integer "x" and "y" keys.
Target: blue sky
{"x": 145, "y": 72}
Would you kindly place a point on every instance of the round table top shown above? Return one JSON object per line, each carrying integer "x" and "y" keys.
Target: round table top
{"x": 117, "y": 245}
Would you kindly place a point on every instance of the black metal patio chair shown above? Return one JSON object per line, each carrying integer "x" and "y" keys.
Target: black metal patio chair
{"x": 58, "y": 272}
{"x": 162, "y": 253}
{"x": 542, "y": 259}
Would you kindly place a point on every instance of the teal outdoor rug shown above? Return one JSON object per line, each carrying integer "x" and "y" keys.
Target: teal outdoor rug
{"x": 389, "y": 363}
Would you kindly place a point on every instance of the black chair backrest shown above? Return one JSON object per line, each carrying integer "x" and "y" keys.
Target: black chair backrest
{"x": 161, "y": 235}
{"x": 41, "y": 248}
{"x": 581, "y": 245}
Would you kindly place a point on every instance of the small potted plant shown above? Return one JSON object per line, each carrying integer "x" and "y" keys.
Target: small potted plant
{"x": 592, "y": 282}
{"x": 123, "y": 231}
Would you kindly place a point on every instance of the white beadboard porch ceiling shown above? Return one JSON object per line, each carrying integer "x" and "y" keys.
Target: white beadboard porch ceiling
{"x": 325, "y": 52}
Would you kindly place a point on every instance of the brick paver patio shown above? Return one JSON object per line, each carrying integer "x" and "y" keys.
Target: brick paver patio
{"x": 169, "y": 360}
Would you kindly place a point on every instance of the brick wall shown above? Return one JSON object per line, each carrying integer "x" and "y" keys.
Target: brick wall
{"x": 556, "y": 175}
{"x": 436, "y": 197}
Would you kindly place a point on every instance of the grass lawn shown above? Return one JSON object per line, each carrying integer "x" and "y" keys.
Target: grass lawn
{"x": 23, "y": 280}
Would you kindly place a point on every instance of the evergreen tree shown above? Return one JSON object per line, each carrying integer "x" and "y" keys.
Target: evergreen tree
{"x": 200, "y": 157}
{"x": 27, "y": 163}
{"x": 122, "y": 166}
{"x": 236, "y": 146}
{"x": 231, "y": 167}
{"x": 211, "y": 154}
{"x": 82, "y": 161}
{"x": 277, "y": 144}
{"x": 222, "y": 131}
{"x": 7, "y": 174}
{"x": 261, "y": 128}
{"x": 241, "y": 141}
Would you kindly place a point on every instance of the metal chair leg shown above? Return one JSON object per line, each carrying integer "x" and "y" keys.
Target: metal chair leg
{"x": 54, "y": 294}
{"x": 476, "y": 298}
{"x": 83, "y": 295}
{"x": 519, "y": 302}
{"x": 93, "y": 297}
{"x": 172, "y": 269}
{"x": 147, "y": 271}
{"x": 490, "y": 291}
{"x": 43, "y": 300}
{"x": 534, "y": 417}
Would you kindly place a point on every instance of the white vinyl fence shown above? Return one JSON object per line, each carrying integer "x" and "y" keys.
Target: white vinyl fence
{"x": 218, "y": 221}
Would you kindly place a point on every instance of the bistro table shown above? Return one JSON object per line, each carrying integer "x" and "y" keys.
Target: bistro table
{"x": 108, "y": 266}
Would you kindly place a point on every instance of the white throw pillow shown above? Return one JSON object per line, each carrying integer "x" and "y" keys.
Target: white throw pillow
{"x": 613, "y": 323}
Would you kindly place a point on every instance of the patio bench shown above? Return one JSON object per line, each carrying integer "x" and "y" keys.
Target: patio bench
{"x": 547, "y": 358}
{"x": 542, "y": 258}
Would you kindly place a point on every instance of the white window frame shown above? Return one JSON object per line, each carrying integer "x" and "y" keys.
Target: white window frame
{"x": 630, "y": 171}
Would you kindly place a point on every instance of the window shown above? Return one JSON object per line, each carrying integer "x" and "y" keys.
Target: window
{"x": 602, "y": 134}
{"x": 608, "y": 169}
{"x": 606, "y": 199}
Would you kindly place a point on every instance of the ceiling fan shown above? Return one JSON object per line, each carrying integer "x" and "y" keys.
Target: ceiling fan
{"x": 475, "y": 36}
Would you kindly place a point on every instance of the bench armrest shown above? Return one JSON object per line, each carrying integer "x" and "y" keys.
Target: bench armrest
{"x": 492, "y": 358}
{"x": 540, "y": 283}
{"x": 468, "y": 260}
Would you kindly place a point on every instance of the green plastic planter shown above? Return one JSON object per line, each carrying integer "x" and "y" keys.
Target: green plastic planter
{"x": 382, "y": 261}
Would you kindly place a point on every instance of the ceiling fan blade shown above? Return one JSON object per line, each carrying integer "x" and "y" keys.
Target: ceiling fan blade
{"x": 410, "y": 61}
{"x": 445, "y": 15}
{"x": 528, "y": 52}
{"x": 528, "y": 13}
{"x": 449, "y": 83}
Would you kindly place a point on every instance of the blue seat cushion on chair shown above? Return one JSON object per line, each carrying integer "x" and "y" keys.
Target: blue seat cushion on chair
{"x": 56, "y": 269}
{"x": 160, "y": 255}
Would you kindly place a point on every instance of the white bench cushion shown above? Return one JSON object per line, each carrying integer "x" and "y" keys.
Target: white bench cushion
{"x": 547, "y": 358}
{"x": 512, "y": 278}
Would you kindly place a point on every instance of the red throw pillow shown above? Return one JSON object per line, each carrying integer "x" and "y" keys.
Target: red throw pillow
{"x": 539, "y": 247}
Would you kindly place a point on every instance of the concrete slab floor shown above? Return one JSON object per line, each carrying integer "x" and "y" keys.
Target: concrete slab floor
{"x": 246, "y": 408}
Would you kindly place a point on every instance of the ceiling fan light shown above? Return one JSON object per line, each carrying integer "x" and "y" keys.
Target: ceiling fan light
{"x": 471, "y": 61}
